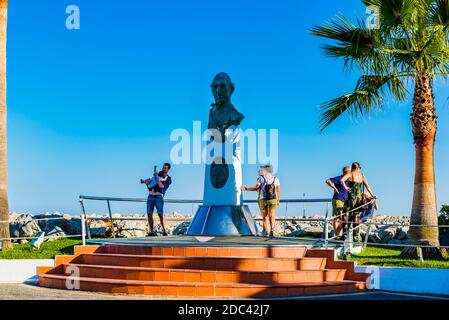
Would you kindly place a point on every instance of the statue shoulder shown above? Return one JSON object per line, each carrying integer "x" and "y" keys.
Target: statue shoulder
{"x": 235, "y": 116}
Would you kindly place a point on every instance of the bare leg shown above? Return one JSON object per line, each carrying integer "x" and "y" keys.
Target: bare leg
{"x": 150, "y": 223}
{"x": 338, "y": 226}
{"x": 272, "y": 215}
{"x": 161, "y": 218}
{"x": 266, "y": 221}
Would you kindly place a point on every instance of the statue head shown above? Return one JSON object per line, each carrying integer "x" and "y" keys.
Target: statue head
{"x": 222, "y": 89}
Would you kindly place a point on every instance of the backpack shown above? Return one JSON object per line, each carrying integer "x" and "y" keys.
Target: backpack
{"x": 270, "y": 189}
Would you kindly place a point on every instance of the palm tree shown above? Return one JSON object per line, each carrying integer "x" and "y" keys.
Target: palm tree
{"x": 4, "y": 209}
{"x": 407, "y": 48}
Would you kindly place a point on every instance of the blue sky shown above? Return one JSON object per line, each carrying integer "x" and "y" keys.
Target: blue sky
{"x": 91, "y": 110}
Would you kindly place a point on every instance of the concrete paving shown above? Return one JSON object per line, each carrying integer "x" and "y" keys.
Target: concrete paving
{"x": 33, "y": 292}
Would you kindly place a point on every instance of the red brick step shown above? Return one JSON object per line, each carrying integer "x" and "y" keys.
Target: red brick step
{"x": 207, "y": 276}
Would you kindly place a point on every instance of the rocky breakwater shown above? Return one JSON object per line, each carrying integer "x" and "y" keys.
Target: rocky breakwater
{"x": 57, "y": 225}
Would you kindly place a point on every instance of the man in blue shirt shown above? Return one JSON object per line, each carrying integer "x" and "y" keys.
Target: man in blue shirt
{"x": 338, "y": 200}
{"x": 157, "y": 186}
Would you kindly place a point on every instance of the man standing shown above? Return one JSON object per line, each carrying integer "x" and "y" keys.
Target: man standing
{"x": 157, "y": 186}
{"x": 338, "y": 200}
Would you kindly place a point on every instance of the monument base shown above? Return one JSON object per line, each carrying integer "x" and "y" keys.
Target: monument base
{"x": 223, "y": 221}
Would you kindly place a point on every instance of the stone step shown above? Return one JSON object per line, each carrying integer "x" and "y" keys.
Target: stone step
{"x": 205, "y": 276}
{"x": 203, "y": 263}
{"x": 203, "y": 290}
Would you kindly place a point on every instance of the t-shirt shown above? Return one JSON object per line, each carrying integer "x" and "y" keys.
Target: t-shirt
{"x": 153, "y": 186}
{"x": 342, "y": 193}
{"x": 261, "y": 181}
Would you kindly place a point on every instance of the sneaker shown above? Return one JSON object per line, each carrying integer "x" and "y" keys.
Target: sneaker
{"x": 164, "y": 234}
{"x": 151, "y": 234}
{"x": 271, "y": 234}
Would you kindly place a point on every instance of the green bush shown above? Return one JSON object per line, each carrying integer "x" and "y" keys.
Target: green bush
{"x": 443, "y": 219}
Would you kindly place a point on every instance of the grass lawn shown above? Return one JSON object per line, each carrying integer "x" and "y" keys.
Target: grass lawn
{"x": 48, "y": 250}
{"x": 381, "y": 256}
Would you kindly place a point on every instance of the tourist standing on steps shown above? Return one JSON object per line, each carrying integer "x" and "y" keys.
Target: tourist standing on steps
{"x": 157, "y": 186}
{"x": 338, "y": 200}
{"x": 269, "y": 189}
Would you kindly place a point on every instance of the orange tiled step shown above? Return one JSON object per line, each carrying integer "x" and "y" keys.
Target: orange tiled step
{"x": 185, "y": 289}
{"x": 204, "y": 263}
{"x": 205, "y": 251}
{"x": 206, "y": 276}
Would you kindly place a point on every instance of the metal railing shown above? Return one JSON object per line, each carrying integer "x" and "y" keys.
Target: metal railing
{"x": 326, "y": 221}
{"x": 109, "y": 200}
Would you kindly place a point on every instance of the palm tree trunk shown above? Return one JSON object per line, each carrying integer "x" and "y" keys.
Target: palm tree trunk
{"x": 4, "y": 209}
{"x": 424, "y": 208}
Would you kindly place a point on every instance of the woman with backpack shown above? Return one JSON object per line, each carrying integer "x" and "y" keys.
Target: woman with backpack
{"x": 269, "y": 190}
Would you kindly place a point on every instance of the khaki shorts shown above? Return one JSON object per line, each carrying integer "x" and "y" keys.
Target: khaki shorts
{"x": 337, "y": 208}
{"x": 267, "y": 203}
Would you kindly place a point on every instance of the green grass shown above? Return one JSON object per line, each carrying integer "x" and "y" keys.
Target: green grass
{"x": 48, "y": 250}
{"x": 378, "y": 256}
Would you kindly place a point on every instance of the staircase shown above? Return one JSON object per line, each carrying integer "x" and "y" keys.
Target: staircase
{"x": 203, "y": 271}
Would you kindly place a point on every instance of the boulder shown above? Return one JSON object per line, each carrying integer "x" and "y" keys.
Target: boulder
{"x": 401, "y": 234}
{"x": 23, "y": 226}
{"x": 386, "y": 233}
{"x": 296, "y": 233}
{"x": 181, "y": 228}
{"x": 97, "y": 228}
{"x": 70, "y": 225}
{"x": 55, "y": 234}
{"x": 132, "y": 228}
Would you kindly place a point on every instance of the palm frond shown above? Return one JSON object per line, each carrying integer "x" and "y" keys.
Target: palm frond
{"x": 398, "y": 14}
{"x": 439, "y": 13}
{"x": 355, "y": 43}
{"x": 368, "y": 95}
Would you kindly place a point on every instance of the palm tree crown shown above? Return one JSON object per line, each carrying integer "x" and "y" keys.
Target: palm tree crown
{"x": 410, "y": 40}
{"x": 408, "y": 45}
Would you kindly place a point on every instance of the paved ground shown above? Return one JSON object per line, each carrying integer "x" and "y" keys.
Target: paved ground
{"x": 31, "y": 292}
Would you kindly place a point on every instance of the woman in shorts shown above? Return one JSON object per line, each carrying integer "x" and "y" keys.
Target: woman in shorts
{"x": 269, "y": 197}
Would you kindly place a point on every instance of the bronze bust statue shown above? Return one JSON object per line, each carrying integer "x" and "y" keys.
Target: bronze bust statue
{"x": 223, "y": 114}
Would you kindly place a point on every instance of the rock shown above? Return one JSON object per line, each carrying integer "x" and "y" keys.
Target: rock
{"x": 55, "y": 234}
{"x": 23, "y": 226}
{"x": 97, "y": 228}
{"x": 401, "y": 234}
{"x": 181, "y": 228}
{"x": 278, "y": 230}
{"x": 296, "y": 233}
{"x": 68, "y": 224}
{"x": 132, "y": 229}
{"x": 386, "y": 233}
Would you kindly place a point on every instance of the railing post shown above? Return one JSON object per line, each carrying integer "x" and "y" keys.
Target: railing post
{"x": 419, "y": 253}
{"x": 365, "y": 242}
{"x": 83, "y": 223}
{"x": 110, "y": 217}
{"x": 83, "y": 229}
{"x": 285, "y": 217}
{"x": 326, "y": 232}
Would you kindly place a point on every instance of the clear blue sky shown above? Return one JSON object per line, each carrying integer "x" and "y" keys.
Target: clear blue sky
{"x": 90, "y": 111}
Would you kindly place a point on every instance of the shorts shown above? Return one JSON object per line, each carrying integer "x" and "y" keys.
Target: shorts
{"x": 263, "y": 203}
{"x": 155, "y": 201}
{"x": 337, "y": 208}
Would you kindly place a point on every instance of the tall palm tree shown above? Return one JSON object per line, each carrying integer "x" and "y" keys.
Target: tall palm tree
{"x": 407, "y": 47}
{"x": 4, "y": 209}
